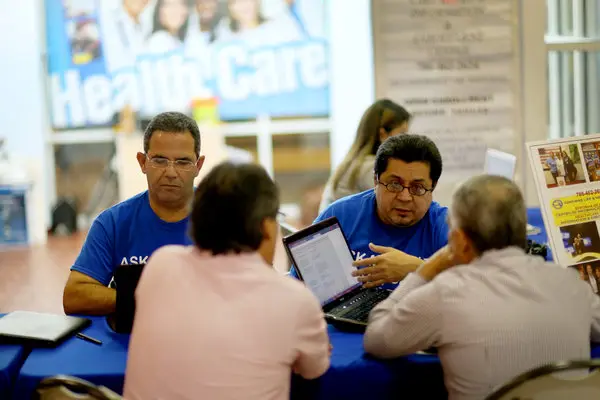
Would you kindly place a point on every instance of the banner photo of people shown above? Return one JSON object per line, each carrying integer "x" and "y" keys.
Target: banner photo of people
{"x": 252, "y": 57}
{"x": 565, "y": 174}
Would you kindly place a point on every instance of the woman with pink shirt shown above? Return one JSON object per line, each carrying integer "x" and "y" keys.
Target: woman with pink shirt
{"x": 215, "y": 320}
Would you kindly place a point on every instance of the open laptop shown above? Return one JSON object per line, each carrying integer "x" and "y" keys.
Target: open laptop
{"x": 323, "y": 260}
{"x": 504, "y": 164}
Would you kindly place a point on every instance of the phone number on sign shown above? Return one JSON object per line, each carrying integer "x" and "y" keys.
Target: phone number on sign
{"x": 588, "y": 192}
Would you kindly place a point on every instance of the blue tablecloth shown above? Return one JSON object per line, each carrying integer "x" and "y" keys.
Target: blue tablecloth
{"x": 352, "y": 375}
{"x": 103, "y": 365}
{"x": 11, "y": 359}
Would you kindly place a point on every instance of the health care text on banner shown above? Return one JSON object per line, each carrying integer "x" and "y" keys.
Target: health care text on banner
{"x": 452, "y": 65}
{"x": 567, "y": 177}
{"x": 256, "y": 57}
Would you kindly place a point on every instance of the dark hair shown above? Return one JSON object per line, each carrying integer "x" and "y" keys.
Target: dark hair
{"x": 158, "y": 26}
{"x": 383, "y": 114}
{"x": 491, "y": 211}
{"x": 234, "y": 26}
{"x": 230, "y": 204}
{"x": 172, "y": 122}
{"x": 410, "y": 148}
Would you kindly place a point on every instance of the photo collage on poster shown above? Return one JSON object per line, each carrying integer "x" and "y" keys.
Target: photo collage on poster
{"x": 569, "y": 191}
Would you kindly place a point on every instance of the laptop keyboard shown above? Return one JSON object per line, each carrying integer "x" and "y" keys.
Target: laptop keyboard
{"x": 359, "y": 307}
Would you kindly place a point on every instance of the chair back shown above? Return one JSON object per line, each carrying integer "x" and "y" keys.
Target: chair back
{"x": 578, "y": 379}
{"x": 62, "y": 387}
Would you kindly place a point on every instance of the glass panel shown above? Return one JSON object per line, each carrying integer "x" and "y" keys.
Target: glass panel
{"x": 568, "y": 105}
{"x": 301, "y": 165}
{"x": 84, "y": 173}
{"x": 578, "y": 18}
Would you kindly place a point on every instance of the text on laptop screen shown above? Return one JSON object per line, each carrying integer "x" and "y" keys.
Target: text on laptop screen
{"x": 325, "y": 263}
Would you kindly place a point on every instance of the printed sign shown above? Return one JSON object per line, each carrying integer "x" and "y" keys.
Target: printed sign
{"x": 452, "y": 64}
{"x": 565, "y": 172}
{"x": 256, "y": 57}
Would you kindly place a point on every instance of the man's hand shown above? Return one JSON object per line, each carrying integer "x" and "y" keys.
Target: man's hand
{"x": 437, "y": 263}
{"x": 389, "y": 266}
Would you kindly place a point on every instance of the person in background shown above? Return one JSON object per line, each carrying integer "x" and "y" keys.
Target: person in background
{"x": 125, "y": 26}
{"x": 129, "y": 232}
{"x": 382, "y": 119}
{"x": 203, "y": 23}
{"x": 248, "y": 326}
{"x": 169, "y": 27}
{"x": 393, "y": 227}
{"x": 570, "y": 168}
{"x": 492, "y": 310}
{"x": 552, "y": 165}
{"x": 560, "y": 167}
{"x": 578, "y": 244}
{"x": 582, "y": 273}
{"x": 246, "y": 23}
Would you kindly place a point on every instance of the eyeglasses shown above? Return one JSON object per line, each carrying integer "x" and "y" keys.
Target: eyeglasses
{"x": 162, "y": 163}
{"x": 415, "y": 190}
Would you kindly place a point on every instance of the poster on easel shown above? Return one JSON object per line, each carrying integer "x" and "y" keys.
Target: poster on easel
{"x": 567, "y": 177}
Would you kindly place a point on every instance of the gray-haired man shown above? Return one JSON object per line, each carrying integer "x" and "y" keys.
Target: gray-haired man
{"x": 492, "y": 310}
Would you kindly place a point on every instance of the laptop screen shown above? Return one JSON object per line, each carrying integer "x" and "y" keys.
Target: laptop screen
{"x": 500, "y": 163}
{"x": 325, "y": 263}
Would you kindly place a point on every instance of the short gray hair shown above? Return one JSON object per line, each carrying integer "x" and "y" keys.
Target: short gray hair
{"x": 172, "y": 122}
{"x": 491, "y": 211}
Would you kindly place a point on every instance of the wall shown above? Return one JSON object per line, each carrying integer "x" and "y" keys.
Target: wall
{"x": 23, "y": 118}
{"x": 352, "y": 79}
{"x": 352, "y": 87}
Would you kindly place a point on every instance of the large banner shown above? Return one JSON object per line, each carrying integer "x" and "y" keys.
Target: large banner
{"x": 453, "y": 64}
{"x": 254, "y": 56}
{"x": 567, "y": 177}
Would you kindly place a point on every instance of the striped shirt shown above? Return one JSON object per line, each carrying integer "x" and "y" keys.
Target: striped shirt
{"x": 504, "y": 314}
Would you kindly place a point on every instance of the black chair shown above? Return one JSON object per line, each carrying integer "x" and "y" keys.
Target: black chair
{"x": 63, "y": 387}
{"x": 570, "y": 380}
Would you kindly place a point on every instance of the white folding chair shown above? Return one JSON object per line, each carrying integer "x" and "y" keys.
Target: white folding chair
{"x": 569, "y": 380}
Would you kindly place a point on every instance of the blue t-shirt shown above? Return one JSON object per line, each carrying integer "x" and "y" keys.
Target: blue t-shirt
{"x": 357, "y": 215}
{"x": 127, "y": 233}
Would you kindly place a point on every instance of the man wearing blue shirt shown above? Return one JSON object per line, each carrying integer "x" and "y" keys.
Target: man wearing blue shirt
{"x": 392, "y": 228}
{"x": 129, "y": 232}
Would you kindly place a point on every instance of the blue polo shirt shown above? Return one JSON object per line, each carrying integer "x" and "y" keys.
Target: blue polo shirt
{"x": 358, "y": 218}
{"x": 127, "y": 233}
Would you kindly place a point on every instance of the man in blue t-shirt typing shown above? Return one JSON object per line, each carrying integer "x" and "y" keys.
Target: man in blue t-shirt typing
{"x": 129, "y": 232}
{"x": 396, "y": 225}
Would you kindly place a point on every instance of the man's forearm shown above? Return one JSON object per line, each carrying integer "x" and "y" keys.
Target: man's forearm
{"x": 89, "y": 299}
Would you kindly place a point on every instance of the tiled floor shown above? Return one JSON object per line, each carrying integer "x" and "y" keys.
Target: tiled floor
{"x": 33, "y": 278}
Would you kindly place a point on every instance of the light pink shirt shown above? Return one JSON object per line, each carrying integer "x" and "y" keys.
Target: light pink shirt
{"x": 224, "y": 327}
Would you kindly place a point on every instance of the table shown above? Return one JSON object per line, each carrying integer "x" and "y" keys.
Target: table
{"x": 11, "y": 359}
{"x": 352, "y": 375}
{"x": 102, "y": 365}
